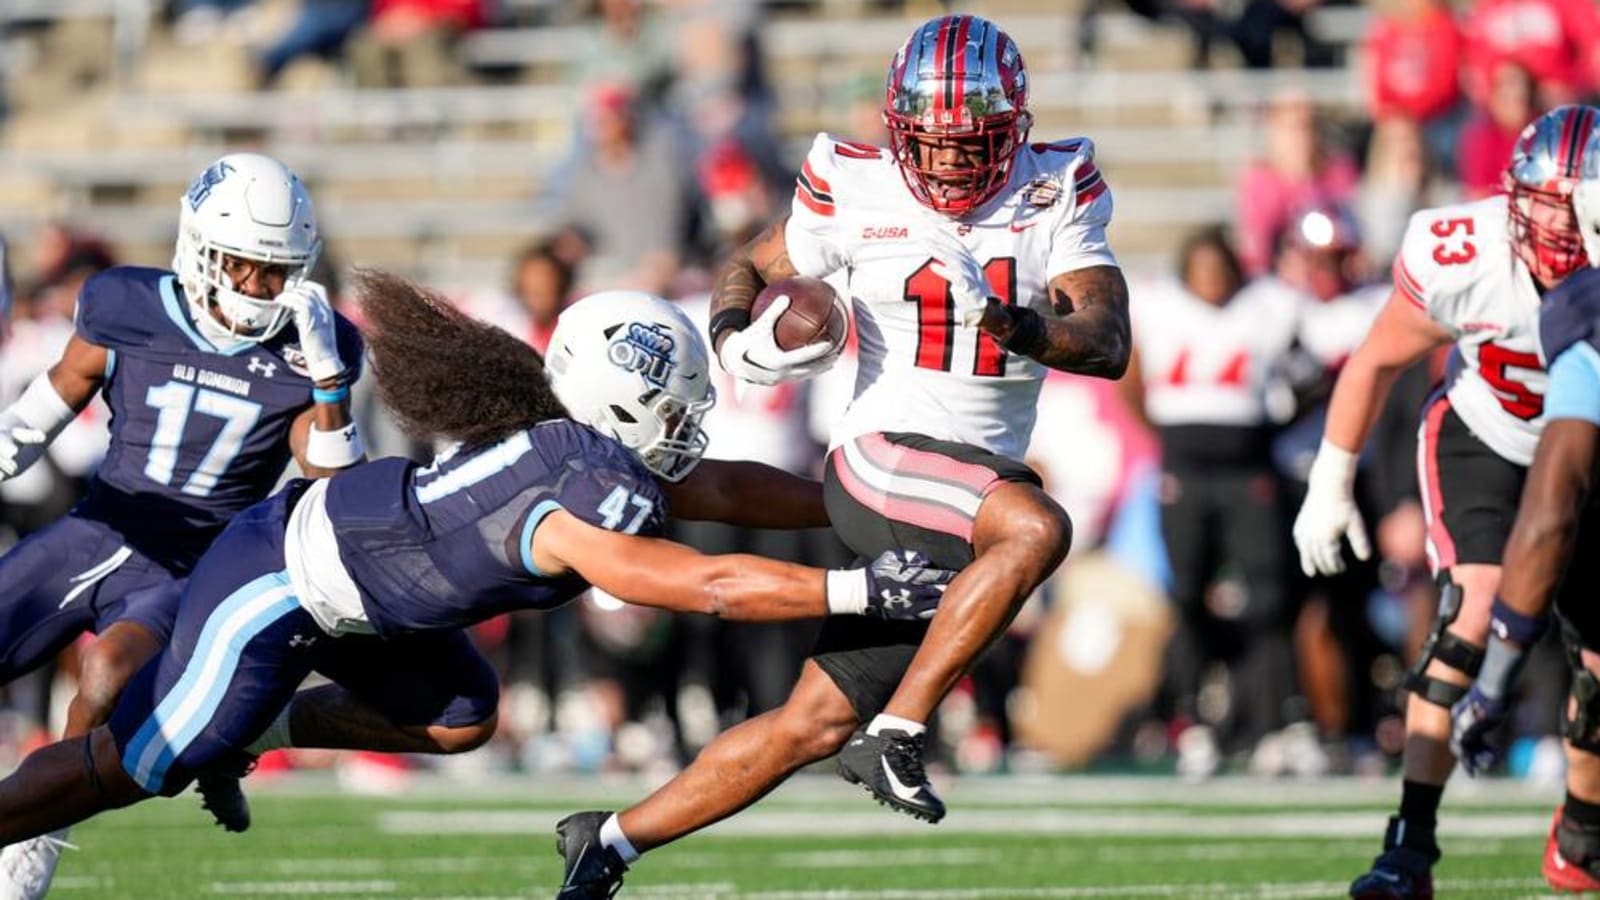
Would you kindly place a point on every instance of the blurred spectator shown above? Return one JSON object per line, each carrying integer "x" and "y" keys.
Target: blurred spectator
{"x": 541, "y": 286}
{"x": 1412, "y": 67}
{"x": 1256, "y": 33}
{"x": 411, "y": 43}
{"x": 1491, "y": 133}
{"x": 1556, "y": 41}
{"x": 631, "y": 192}
{"x": 1301, "y": 168}
{"x": 321, "y": 29}
{"x": 1205, "y": 345}
{"x": 1413, "y": 57}
{"x": 198, "y": 22}
{"x": 1199, "y": 16}
{"x": 626, "y": 46}
{"x": 1397, "y": 183}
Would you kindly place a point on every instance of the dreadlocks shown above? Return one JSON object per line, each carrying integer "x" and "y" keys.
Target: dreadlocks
{"x": 444, "y": 374}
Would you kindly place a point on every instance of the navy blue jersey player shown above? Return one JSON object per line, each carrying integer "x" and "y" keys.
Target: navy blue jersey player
{"x": 216, "y": 373}
{"x": 368, "y": 577}
{"x": 1550, "y": 565}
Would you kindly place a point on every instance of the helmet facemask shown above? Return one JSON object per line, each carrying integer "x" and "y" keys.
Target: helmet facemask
{"x": 682, "y": 442}
{"x": 994, "y": 143}
{"x": 1544, "y": 231}
{"x": 228, "y": 311}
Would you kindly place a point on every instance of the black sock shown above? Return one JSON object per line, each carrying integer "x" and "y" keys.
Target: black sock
{"x": 1419, "y": 811}
{"x": 1581, "y": 812}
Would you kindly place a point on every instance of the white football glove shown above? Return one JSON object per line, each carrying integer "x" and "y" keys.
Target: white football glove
{"x": 313, "y": 318}
{"x": 20, "y": 446}
{"x": 969, "y": 288}
{"x": 29, "y": 425}
{"x": 1329, "y": 514}
{"x": 752, "y": 354}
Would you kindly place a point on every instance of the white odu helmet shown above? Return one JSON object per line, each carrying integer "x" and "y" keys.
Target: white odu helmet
{"x": 632, "y": 366}
{"x": 250, "y": 206}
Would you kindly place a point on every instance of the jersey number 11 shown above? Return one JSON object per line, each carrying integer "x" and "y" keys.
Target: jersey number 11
{"x": 936, "y": 326}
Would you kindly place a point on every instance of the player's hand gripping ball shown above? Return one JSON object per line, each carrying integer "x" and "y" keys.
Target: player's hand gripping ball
{"x": 814, "y": 313}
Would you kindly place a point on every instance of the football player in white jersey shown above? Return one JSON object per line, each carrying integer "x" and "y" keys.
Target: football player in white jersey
{"x": 1471, "y": 275}
{"x": 976, "y": 262}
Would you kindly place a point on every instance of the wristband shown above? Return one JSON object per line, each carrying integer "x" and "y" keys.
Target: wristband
{"x": 1028, "y": 332}
{"x": 1509, "y": 625}
{"x": 847, "y": 591}
{"x": 731, "y": 319}
{"x": 334, "y": 449}
{"x": 337, "y": 395}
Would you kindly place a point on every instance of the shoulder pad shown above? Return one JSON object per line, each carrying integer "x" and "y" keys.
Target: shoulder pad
{"x": 1570, "y": 314}
{"x": 602, "y": 482}
{"x": 1445, "y": 251}
{"x": 828, "y": 159}
{"x": 123, "y": 306}
{"x": 1071, "y": 159}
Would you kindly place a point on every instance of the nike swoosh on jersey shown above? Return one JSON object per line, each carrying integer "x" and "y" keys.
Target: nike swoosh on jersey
{"x": 1015, "y": 229}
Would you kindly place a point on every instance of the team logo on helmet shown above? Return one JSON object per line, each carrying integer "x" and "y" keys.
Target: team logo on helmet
{"x": 645, "y": 348}
{"x": 210, "y": 178}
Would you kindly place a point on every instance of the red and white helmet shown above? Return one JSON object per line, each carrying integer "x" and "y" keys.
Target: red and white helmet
{"x": 1546, "y": 165}
{"x": 957, "y": 77}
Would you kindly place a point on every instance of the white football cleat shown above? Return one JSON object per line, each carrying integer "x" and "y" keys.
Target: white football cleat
{"x": 27, "y": 868}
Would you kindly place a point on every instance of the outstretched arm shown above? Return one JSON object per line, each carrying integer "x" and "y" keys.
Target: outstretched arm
{"x": 654, "y": 572}
{"x": 750, "y": 494}
{"x": 657, "y": 572}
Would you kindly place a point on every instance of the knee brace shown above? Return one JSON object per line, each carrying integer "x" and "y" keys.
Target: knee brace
{"x": 1583, "y": 715}
{"x": 1463, "y": 656}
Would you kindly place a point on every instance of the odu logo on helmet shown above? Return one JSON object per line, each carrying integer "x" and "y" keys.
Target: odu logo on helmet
{"x": 646, "y": 349}
{"x": 210, "y": 178}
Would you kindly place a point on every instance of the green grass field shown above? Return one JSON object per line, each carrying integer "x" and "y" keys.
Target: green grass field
{"x": 816, "y": 838}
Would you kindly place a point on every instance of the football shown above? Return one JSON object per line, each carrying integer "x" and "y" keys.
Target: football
{"x": 814, "y": 313}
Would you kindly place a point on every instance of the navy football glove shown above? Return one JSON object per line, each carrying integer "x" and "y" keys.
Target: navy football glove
{"x": 903, "y": 584}
{"x": 1473, "y": 720}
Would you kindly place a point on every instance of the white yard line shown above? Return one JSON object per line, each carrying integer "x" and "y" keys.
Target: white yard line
{"x": 303, "y": 888}
{"x": 811, "y": 823}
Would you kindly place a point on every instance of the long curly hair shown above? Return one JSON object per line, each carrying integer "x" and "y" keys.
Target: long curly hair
{"x": 444, "y": 374}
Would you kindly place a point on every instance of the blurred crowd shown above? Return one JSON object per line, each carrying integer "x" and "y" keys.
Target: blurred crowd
{"x": 1182, "y": 479}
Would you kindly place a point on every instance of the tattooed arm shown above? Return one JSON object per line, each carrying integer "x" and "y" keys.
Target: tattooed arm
{"x": 751, "y": 267}
{"x": 1090, "y": 333}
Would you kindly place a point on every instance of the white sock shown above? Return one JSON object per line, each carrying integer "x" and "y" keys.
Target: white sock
{"x": 611, "y": 836}
{"x": 883, "y": 720}
{"x": 847, "y": 592}
{"x": 276, "y": 737}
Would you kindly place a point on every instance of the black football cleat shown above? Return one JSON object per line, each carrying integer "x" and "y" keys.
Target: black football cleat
{"x": 889, "y": 765}
{"x": 1399, "y": 873}
{"x": 223, "y": 797}
{"x": 594, "y": 871}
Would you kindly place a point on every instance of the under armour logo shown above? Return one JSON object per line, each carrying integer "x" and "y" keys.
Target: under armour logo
{"x": 301, "y": 640}
{"x": 262, "y": 367}
{"x": 900, "y": 599}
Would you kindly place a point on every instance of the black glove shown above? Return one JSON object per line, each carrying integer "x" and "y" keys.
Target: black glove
{"x": 903, "y": 584}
